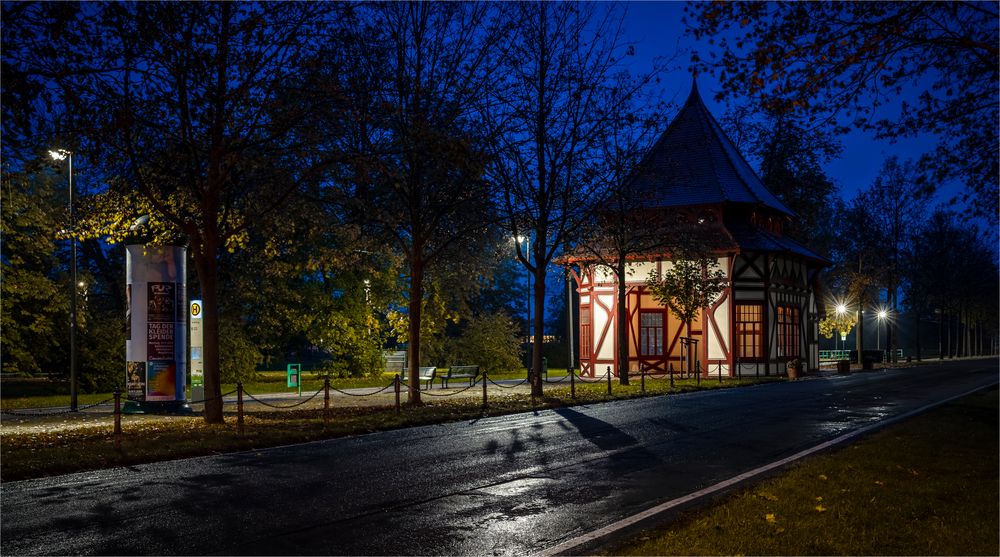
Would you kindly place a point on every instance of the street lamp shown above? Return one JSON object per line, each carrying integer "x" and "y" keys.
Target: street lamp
{"x": 62, "y": 154}
{"x": 527, "y": 256}
{"x": 882, "y": 314}
{"x": 841, "y": 309}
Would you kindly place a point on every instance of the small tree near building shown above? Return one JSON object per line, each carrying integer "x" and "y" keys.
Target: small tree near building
{"x": 688, "y": 287}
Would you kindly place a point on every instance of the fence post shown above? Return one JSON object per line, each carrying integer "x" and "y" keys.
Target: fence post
{"x": 326, "y": 401}
{"x": 239, "y": 408}
{"x": 572, "y": 384}
{"x": 720, "y": 372}
{"x": 671, "y": 372}
{"x": 396, "y": 381}
{"x": 609, "y": 380}
{"x": 118, "y": 418}
{"x": 642, "y": 377}
{"x": 697, "y": 373}
{"x": 485, "y": 379}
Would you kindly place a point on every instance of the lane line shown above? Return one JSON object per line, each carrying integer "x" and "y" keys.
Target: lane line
{"x": 662, "y": 507}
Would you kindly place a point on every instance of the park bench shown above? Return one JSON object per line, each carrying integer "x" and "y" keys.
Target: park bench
{"x": 425, "y": 374}
{"x": 460, "y": 372}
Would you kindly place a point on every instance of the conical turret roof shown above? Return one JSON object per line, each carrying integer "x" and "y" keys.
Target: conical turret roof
{"x": 694, "y": 163}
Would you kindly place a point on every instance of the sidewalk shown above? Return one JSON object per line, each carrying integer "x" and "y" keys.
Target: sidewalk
{"x": 36, "y": 420}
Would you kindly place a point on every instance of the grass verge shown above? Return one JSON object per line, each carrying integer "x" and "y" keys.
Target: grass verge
{"x": 63, "y": 447}
{"x": 928, "y": 486}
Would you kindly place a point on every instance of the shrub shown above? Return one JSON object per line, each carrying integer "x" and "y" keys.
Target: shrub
{"x": 238, "y": 357}
{"x": 490, "y": 341}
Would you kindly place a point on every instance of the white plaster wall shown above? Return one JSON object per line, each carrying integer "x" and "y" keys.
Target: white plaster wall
{"x": 713, "y": 370}
{"x": 603, "y": 274}
{"x": 607, "y": 349}
{"x": 639, "y": 272}
{"x": 717, "y": 342}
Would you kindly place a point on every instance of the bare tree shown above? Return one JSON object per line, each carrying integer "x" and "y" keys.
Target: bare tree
{"x": 551, "y": 113}
{"x": 418, "y": 178}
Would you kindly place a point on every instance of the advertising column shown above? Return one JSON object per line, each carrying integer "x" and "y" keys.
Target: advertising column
{"x": 156, "y": 337}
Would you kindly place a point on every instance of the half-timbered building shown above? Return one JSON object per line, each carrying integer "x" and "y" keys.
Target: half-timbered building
{"x": 767, "y": 314}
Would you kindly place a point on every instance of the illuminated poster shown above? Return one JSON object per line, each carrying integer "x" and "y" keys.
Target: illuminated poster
{"x": 161, "y": 381}
{"x": 135, "y": 381}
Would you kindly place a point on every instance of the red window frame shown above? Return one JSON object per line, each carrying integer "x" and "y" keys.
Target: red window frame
{"x": 750, "y": 332}
{"x": 651, "y": 335}
{"x": 789, "y": 339}
{"x": 586, "y": 336}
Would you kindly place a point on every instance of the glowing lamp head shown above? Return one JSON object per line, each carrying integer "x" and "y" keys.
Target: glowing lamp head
{"x": 882, "y": 314}
{"x": 841, "y": 309}
{"x": 59, "y": 154}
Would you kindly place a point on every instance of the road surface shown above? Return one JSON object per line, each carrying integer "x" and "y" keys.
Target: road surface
{"x": 510, "y": 485}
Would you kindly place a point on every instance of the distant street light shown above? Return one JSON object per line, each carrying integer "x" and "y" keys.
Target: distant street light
{"x": 882, "y": 314}
{"x": 841, "y": 309}
{"x": 62, "y": 154}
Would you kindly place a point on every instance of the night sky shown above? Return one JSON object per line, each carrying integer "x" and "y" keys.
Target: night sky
{"x": 656, "y": 29}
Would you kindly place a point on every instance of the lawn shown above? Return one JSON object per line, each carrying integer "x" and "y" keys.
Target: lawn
{"x": 928, "y": 486}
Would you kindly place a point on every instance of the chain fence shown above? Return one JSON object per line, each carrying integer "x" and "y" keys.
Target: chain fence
{"x": 38, "y": 413}
{"x": 573, "y": 376}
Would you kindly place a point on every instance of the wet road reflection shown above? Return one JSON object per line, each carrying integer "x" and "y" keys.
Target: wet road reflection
{"x": 510, "y": 485}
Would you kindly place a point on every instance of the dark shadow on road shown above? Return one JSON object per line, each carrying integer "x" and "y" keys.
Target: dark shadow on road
{"x": 606, "y": 436}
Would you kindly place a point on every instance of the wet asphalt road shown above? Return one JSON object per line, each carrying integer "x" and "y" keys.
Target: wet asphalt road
{"x": 511, "y": 485}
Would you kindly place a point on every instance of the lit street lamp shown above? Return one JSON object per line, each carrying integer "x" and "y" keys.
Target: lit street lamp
{"x": 527, "y": 322}
{"x": 882, "y": 314}
{"x": 61, "y": 154}
{"x": 841, "y": 309}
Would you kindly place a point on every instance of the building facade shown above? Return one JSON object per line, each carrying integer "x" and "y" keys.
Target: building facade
{"x": 768, "y": 313}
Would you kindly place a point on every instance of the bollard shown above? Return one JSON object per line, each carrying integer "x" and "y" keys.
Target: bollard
{"x": 396, "y": 381}
{"x": 118, "y": 418}
{"x": 239, "y": 408}
{"x": 697, "y": 373}
{"x": 720, "y": 372}
{"x": 485, "y": 378}
{"x": 326, "y": 401}
{"x": 642, "y": 378}
{"x": 609, "y": 380}
{"x": 671, "y": 372}
{"x": 572, "y": 384}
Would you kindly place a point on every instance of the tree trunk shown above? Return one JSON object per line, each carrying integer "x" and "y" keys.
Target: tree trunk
{"x": 948, "y": 336}
{"x": 622, "y": 325}
{"x": 539, "y": 330}
{"x": 413, "y": 333}
{"x": 941, "y": 333}
{"x": 207, "y": 267}
{"x": 860, "y": 338}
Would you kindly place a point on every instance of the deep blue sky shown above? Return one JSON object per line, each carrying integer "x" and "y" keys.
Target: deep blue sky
{"x": 656, "y": 29}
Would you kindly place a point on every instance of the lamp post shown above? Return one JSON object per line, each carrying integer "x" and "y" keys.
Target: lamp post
{"x": 841, "y": 309}
{"x": 882, "y": 314}
{"x": 527, "y": 322}
{"x": 61, "y": 154}
{"x": 569, "y": 319}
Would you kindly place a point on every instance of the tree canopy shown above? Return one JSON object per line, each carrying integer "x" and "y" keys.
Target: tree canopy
{"x": 898, "y": 69}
